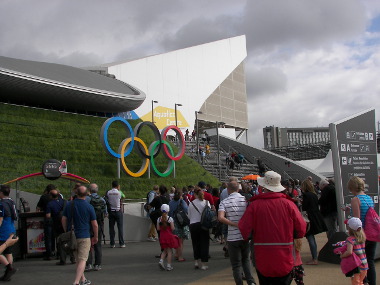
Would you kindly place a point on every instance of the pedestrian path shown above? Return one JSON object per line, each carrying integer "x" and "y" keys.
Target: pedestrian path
{"x": 136, "y": 265}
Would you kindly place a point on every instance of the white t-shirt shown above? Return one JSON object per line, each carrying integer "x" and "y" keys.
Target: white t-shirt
{"x": 234, "y": 206}
{"x": 114, "y": 197}
{"x": 194, "y": 215}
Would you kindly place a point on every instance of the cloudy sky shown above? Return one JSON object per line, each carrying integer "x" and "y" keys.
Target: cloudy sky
{"x": 309, "y": 63}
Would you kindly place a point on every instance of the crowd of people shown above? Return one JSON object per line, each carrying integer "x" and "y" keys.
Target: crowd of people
{"x": 257, "y": 223}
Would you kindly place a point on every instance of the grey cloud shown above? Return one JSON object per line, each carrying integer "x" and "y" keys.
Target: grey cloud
{"x": 200, "y": 31}
{"x": 309, "y": 23}
{"x": 265, "y": 81}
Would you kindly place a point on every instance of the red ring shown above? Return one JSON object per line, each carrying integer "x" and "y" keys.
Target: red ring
{"x": 183, "y": 146}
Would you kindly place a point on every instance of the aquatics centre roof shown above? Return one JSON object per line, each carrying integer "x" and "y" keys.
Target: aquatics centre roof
{"x": 61, "y": 86}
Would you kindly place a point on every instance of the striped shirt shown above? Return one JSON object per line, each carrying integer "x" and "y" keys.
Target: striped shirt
{"x": 365, "y": 203}
{"x": 359, "y": 250}
{"x": 234, "y": 206}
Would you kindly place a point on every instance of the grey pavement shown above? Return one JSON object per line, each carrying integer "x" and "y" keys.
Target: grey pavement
{"x": 136, "y": 264}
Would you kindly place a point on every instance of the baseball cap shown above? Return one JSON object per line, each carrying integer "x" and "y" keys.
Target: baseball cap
{"x": 165, "y": 208}
{"x": 354, "y": 223}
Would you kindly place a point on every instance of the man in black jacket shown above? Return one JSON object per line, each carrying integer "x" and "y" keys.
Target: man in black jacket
{"x": 328, "y": 206}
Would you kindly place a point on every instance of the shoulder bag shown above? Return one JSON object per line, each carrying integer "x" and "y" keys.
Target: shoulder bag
{"x": 68, "y": 240}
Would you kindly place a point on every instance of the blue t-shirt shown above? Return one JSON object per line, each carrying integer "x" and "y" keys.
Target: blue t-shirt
{"x": 53, "y": 207}
{"x": 7, "y": 227}
{"x": 84, "y": 213}
{"x": 365, "y": 203}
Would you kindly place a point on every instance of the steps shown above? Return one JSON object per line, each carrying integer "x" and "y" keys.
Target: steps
{"x": 219, "y": 169}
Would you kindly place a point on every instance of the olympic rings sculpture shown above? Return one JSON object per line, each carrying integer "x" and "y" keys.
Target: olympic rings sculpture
{"x": 147, "y": 154}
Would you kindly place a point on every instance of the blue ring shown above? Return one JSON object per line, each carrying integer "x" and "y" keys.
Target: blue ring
{"x": 104, "y": 138}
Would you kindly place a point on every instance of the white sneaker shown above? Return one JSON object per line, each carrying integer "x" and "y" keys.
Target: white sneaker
{"x": 196, "y": 265}
{"x": 88, "y": 268}
{"x": 161, "y": 265}
{"x": 169, "y": 268}
{"x": 122, "y": 246}
{"x": 204, "y": 267}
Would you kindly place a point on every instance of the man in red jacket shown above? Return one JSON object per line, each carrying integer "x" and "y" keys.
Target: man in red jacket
{"x": 274, "y": 222}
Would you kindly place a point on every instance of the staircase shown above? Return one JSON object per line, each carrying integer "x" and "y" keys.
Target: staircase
{"x": 219, "y": 169}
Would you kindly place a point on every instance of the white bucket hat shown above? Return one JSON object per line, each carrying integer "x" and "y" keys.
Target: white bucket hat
{"x": 271, "y": 181}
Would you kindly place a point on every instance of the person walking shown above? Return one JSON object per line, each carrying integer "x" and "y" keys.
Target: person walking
{"x": 53, "y": 215}
{"x": 149, "y": 198}
{"x": 273, "y": 221}
{"x": 230, "y": 212}
{"x": 317, "y": 224}
{"x": 48, "y": 227}
{"x": 183, "y": 233}
{"x": 200, "y": 237}
{"x": 168, "y": 241}
{"x": 359, "y": 206}
{"x": 8, "y": 216}
{"x": 100, "y": 208}
{"x": 116, "y": 214}
{"x": 84, "y": 218}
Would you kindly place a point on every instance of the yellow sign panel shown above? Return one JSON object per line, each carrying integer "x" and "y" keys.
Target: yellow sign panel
{"x": 165, "y": 117}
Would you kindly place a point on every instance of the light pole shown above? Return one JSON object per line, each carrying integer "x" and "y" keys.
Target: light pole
{"x": 218, "y": 148}
{"x": 153, "y": 101}
{"x": 196, "y": 132}
{"x": 175, "y": 112}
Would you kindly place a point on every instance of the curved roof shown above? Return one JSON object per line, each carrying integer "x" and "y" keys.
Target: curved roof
{"x": 57, "y": 85}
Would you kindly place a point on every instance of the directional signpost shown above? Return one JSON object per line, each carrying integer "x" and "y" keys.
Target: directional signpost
{"x": 353, "y": 143}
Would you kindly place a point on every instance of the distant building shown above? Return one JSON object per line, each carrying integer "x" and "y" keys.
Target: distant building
{"x": 275, "y": 137}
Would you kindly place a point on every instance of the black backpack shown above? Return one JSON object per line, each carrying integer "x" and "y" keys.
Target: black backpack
{"x": 99, "y": 207}
{"x": 180, "y": 216}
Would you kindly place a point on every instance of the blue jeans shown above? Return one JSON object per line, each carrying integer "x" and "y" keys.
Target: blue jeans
{"x": 313, "y": 246}
{"x": 116, "y": 217}
{"x": 239, "y": 258}
{"x": 370, "y": 250}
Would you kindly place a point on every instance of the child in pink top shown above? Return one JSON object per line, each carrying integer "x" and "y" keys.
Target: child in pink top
{"x": 356, "y": 245}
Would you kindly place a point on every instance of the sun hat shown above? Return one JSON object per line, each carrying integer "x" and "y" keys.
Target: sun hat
{"x": 165, "y": 208}
{"x": 354, "y": 223}
{"x": 271, "y": 181}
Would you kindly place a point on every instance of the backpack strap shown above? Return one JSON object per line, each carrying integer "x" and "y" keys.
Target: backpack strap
{"x": 195, "y": 207}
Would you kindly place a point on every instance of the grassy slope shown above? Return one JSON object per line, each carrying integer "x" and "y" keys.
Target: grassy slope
{"x": 31, "y": 136}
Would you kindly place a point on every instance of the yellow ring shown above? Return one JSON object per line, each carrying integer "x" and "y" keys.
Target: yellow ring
{"x": 144, "y": 166}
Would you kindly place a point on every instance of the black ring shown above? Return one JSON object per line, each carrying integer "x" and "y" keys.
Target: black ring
{"x": 157, "y": 135}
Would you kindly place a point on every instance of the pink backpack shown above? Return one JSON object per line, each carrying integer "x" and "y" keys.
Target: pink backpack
{"x": 372, "y": 225}
{"x": 347, "y": 263}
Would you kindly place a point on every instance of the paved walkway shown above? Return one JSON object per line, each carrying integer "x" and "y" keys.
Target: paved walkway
{"x": 136, "y": 265}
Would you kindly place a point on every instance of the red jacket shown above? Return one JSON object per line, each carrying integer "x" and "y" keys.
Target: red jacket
{"x": 274, "y": 222}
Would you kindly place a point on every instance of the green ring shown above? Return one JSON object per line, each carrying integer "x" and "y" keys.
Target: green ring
{"x": 171, "y": 163}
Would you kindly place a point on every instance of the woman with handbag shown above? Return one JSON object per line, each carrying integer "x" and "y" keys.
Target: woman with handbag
{"x": 359, "y": 207}
{"x": 317, "y": 224}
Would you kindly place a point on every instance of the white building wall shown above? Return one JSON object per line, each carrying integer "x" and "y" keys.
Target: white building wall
{"x": 187, "y": 76}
